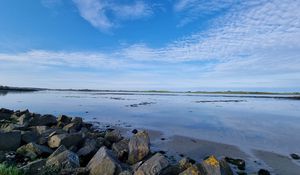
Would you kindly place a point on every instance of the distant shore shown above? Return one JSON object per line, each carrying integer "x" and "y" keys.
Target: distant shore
{"x": 26, "y": 89}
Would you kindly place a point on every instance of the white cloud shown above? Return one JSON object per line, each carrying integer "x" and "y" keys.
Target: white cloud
{"x": 106, "y": 14}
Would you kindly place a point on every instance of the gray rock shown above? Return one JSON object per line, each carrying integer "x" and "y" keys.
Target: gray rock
{"x": 59, "y": 150}
{"x": 113, "y": 136}
{"x": 67, "y": 140}
{"x": 126, "y": 172}
{"x": 45, "y": 120}
{"x": 103, "y": 163}
{"x": 33, "y": 167}
{"x": 121, "y": 149}
{"x": 194, "y": 170}
{"x": 39, "y": 129}
{"x": 212, "y": 165}
{"x": 5, "y": 113}
{"x": 24, "y": 119}
{"x": 65, "y": 159}
{"x": 64, "y": 119}
{"x": 77, "y": 120}
{"x": 138, "y": 147}
{"x": 72, "y": 127}
{"x": 88, "y": 148}
{"x": 10, "y": 140}
{"x": 29, "y": 136}
{"x": 153, "y": 166}
{"x": 75, "y": 171}
{"x": 33, "y": 150}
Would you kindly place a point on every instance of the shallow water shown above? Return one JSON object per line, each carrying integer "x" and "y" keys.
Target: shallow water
{"x": 250, "y": 123}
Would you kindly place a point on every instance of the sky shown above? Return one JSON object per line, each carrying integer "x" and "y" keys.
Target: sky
{"x": 151, "y": 44}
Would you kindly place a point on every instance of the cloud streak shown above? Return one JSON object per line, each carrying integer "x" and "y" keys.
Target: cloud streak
{"x": 106, "y": 14}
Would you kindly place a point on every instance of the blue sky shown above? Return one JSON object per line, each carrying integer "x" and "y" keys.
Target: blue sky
{"x": 151, "y": 44}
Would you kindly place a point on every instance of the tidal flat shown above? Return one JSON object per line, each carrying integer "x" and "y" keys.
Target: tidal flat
{"x": 193, "y": 125}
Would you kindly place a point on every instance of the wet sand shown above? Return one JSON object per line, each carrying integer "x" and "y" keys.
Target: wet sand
{"x": 175, "y": 147}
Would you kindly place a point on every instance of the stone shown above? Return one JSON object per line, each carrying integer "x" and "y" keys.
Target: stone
{"x": 103, "y": 163}
{"x": 33, "y": 150}
{"x": 241, "y": 164}
{"x": 72, "y": 127}
{"x": 134, "y": 131}
{"x": 153, "y": 166}
{"x": 263, "y": 172}
{"x": 295, "y": 156}
{"x": 138, "y": 147}
{"x": 67, "y": 140}
{"x": 212, "y": 165}
{"x": 77, "y": 120}
{"x": 59, "y": 150}
{"x": 5, "y": 113}
{"x": 65, "y": 159}
{"x": 126, "y": 172}
{"x": 10, "y": 141}
{"x": 113, "y": 136}
{"x": 24, "y": 119}
{"x": 39, "y": 129}
{"x": 121, "y": 149}
{"x": 88, "y": 148}
{"x": 74, "y": 171}
{"x": 29, "y": 136}
{"x": 45, "y": 120}
{"x": 193, "y": 170}
{"x": 33, "y": 167}
{"x": 64, "y": 119}
{"x": 185, "y": 163}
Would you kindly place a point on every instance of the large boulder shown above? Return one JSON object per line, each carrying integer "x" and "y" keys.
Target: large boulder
{"x": 87, "y": 151}
{"x": 153, "y": 166}
{"x": 65, "y": 159}
{"x": 194, "y": 170}
{"x": 138, "y": 147}
{"x": 121, "y": 149}
{"x": 67, "y": 140}
{"x": 33, "y": 150}
{"x": 29, "y": 136}
{"x": 64, "y": 119}
{"x": 24, "y": 119}
{"x": 10, "y": 140}
{"x": 5, "y": 113}
{"x": 103, "y": 163}
{"x": 72, "y": 127}
{"x": 45, "y": 120}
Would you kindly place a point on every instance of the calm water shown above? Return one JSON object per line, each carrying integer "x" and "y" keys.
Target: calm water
{"x": 252, "y": 123}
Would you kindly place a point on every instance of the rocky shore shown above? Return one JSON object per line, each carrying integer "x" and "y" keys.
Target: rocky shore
{"x": 46, "y": 144}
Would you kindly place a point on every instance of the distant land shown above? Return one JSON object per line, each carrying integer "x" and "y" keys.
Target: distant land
{"x": 28, "y": 89}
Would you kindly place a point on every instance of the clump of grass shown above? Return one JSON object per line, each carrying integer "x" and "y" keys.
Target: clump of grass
{"x": 9, "y": 170}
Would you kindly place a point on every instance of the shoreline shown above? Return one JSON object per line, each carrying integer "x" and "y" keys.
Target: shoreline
{"x": 33, "y": 141}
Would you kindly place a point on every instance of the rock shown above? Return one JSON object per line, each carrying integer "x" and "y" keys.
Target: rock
{"x": 33, "y": 150}
{"x": 45, "y": 120}
{"x": 113, "y": 136}
{"x": 75, "y": 171}
{"x": 103, "y": 163}
{"x": 134, "y": 131}
{"x": 212, "y": 166}
{"x": 24, "y": 119}
{"x": 59, "y": 150}
{"x": 263, "y": 172}
{"x": 64, "y": 119}
{"x": 185, "y": 163}
{"x": 295, "y": 156}
{"x": 39, "y": 129}
{"x": 87, "y": 151}
{"x": 238, "y": 162}
{"x": 5, "y": 113}
{"x": 171, "y": 170}
{"x": 126, "y": 172}
{"x": 65, "y": 159}
{"x": 33, "y": 167}
{"x": 10, "y": 141}
{"x": 88, "y": 148}
{"x": 67, "y": 140}
{"x": 121, "y": 149}
{"x": 138, "y": 147}
{"x": 194, "y": 170}
{"x": 77, "y": 120}
{"x": 153, "y": 166}
{"x": 72, "y": 127}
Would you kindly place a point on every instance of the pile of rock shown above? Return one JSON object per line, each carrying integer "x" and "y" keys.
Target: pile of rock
{"x": 44, "y": 144}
